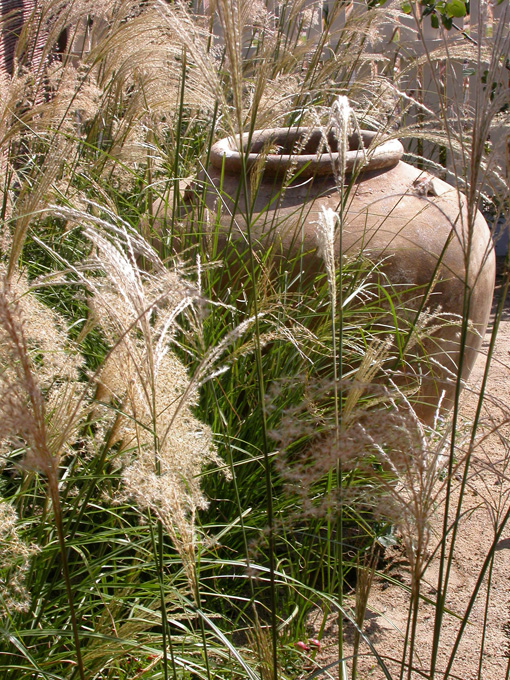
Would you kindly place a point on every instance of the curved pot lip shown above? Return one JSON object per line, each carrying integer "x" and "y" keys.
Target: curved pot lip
{"x": 379, "y": 151}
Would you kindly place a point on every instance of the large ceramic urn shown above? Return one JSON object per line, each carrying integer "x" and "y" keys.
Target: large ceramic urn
{"x": 269, "y": 188}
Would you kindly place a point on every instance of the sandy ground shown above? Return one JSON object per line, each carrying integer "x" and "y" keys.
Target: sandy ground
{"x": 486, "y": 500}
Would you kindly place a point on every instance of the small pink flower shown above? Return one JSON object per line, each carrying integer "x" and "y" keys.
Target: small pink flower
{"x": 301, "y": 645}
{"x": 314, "y": 643}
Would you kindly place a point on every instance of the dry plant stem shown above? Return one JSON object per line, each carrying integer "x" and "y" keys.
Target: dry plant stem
{"x": 338, "y": 396}
{"x": 444, "y": 573}
{"x": 415, "y": 597}
{"x": 75, "y": 517}
{"x": 43, "y": 460}
{"x": 267, "y": 463}
{"x": 150, "y": 196}
{"x": 337, "y": 376}
{"x": 164, "y": 622}
{"x": 485, "y": 617}
{"x": 337, "y": 359}
{"x": 342, "y": 114}
{"x": 157, "y": 547}
{"x": 230, "y": 461}
{"x": 479, "y": 133}
{"x": 202, "y": 625}
{"x": 57, "y": 509}
{"x": 364, "y": 579}
{"x": 176, "y": 195}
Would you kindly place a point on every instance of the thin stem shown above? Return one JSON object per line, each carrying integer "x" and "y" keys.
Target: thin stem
{"x": 57, "y": 509}
{"x": 415, "y": 606}
{"x": 157, "y": 548}
{"x": 265, "y": 441}
{"x": 176, "y": 195}
{"x": 338, "y": 397}
{"x": 202, "y": 625}
{"x": 485, "y": 617}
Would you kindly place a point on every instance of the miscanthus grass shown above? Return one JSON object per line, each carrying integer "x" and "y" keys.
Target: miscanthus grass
{"x": 201, "y": 445}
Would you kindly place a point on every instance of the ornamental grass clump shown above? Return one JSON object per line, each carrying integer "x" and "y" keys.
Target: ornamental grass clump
{"x": 139, "y": 403}
{"x": 41, "y": 401}
{"x": 127, "y": 378}
{"x": 164, "y": 445}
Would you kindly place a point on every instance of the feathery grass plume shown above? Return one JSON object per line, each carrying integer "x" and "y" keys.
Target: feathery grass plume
{"x": 147, "y": 49}
{"x": 188, "y": 32}
{"x": 33, "y": 198}
{"x": 371, "y": 364}
{"x": 17, "y": 115}
{"x": 15, "y": 556}
{"x": 326, "y": 233}
{"x": 42, "y": 423}
{"x": 272, "y": 74}
{"x": 341, "y": 125}
{"x": 41, "y": 79}
{"x": 165, "y": 446}
{"x": 44, "y": 331}
{"x": 310, "y": 444}
{"x": 98, "y": 113}
{"x": 42, "y": 398}
{"x": 234, "y": 16}
{"x": 388, "y": 461}
{"x": 262, "y": 55}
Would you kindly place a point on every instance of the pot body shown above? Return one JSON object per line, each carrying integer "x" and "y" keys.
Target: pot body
{"x": 415, "y": 225}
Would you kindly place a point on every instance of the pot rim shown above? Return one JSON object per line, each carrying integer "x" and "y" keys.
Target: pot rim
{"x": 378, "y": 152}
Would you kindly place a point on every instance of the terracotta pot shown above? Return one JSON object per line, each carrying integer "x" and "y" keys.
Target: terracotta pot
{"x": 413, "y": 223}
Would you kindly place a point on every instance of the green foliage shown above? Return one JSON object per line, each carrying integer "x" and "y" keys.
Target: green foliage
{"x": 440, "y": 11}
